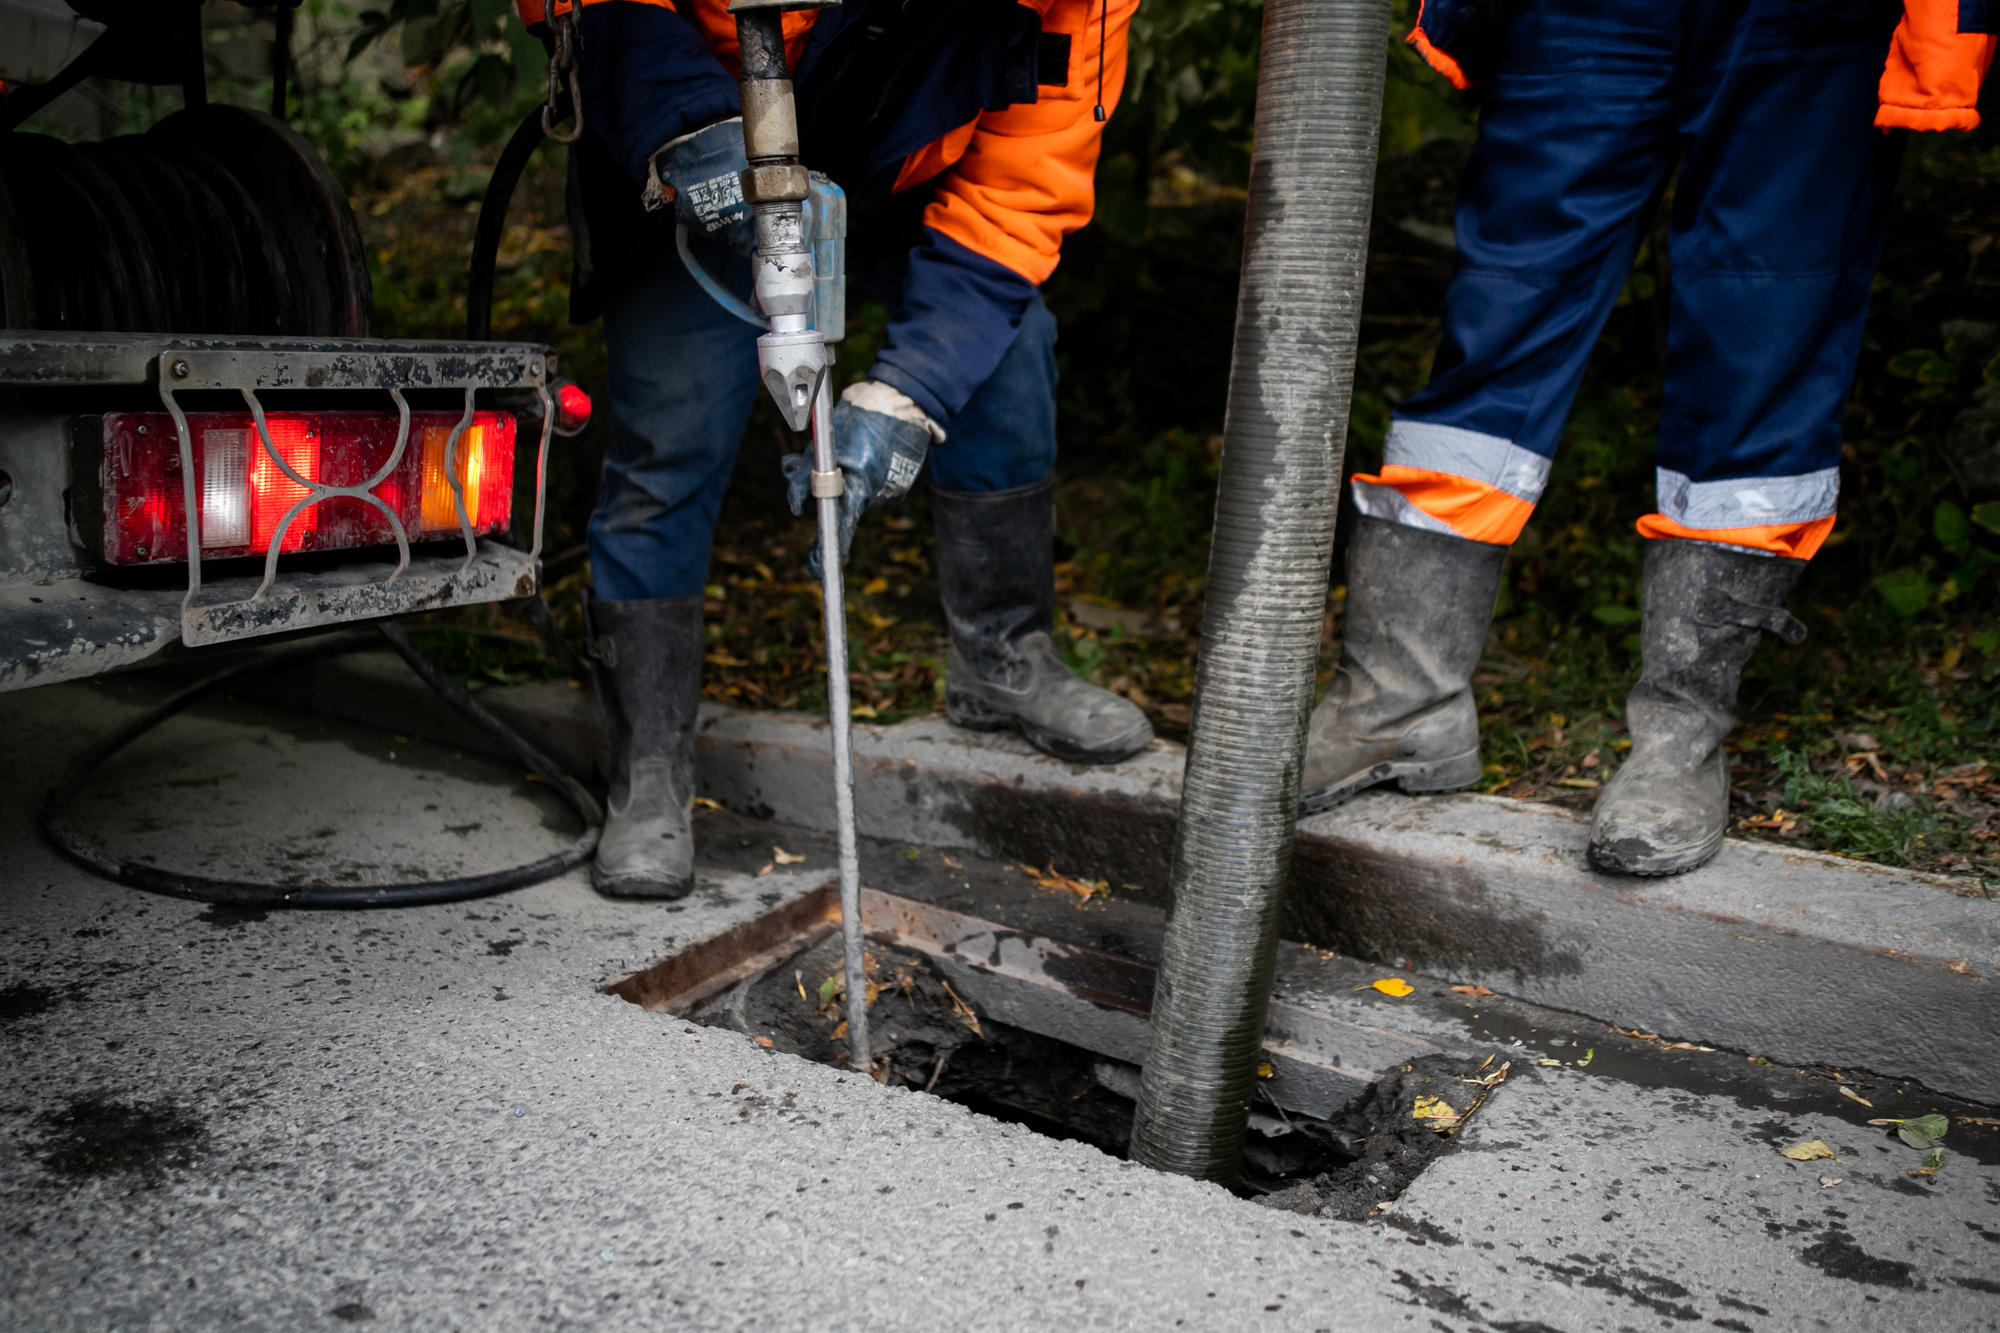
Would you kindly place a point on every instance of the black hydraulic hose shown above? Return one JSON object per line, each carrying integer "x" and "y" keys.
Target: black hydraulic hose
{"x": 242, "y": 894}
{"x": 493, "y": 224}
{"x": 479, "y": 314}
{"x": 1298, "y": 314}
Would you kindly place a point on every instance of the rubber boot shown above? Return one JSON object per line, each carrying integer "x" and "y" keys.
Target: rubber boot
{"x": 646, "y": 663}
{"x": 996, "y": 569}
{"x": 1400, "y": 707}
{"x": 1706, "y": 607}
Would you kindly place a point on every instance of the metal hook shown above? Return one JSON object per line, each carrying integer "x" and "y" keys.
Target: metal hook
{"x": 562, "y": 73}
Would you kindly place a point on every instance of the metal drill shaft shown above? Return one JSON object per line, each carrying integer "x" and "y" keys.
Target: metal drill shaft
{"x": 795, "y": 364}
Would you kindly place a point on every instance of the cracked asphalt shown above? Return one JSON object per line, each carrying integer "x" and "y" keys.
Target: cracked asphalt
{"x": 434, "y": 1119}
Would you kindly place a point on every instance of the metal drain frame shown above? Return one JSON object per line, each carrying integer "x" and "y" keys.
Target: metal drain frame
{"x": 1095, "y": 999}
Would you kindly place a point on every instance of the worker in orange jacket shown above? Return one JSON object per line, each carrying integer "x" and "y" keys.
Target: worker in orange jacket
{"x": 1781, "y": 126}
{"x": 966, "y": 137}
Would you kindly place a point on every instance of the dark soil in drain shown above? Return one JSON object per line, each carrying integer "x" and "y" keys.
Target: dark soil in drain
{"x": 1407, "y": 1120}
{"x": 926, "y": 1038}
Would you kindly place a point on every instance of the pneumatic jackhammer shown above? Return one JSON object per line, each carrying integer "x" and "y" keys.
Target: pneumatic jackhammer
{"x": 796, "y": 364}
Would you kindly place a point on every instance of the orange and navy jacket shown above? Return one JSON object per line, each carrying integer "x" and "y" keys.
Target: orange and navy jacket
{"x": 985, "y": 107}
{"x": 1937, "y": 59}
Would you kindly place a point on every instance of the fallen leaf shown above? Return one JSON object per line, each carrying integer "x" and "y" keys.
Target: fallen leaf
{"x": 1932, "y": 1161}
{"x": 1084, "y": 890}
{"x": 828, "y": 989}
{"x": 1924, "y": 1131}
{"x": 1588, "y": 1056}
{"x": 799, "y": 980}
{"x": 1686, "y": 1046}
{"x": 765, "y": 1042}
{"x": 1854, "y": 1096}
{"x": 1395, "y": 986}
{"x": 1810, "y": 1150}
{"x": 964, "y": 1011}
{"x": 1556, "y": 1063}
{"x": 873, "y": 586}
{"x": 1474, "y": 991}
{"x": 1828, "y": 1182}
{"x": 707, "y": 804}
{"x": 1586, "y": 783}
{"x": 1264, "y": 1070}
{"x": 785, "y": 858}
{"x": 1437, "y": 1110}
{"x": 1634, "y": 1032}
{"x": 948, "y": 861}
{"x": 762, "y": 871}
{"x": 1988, "y": 1121}
{"x": 840, "y": 1031}
{"x": 862, "y": 710}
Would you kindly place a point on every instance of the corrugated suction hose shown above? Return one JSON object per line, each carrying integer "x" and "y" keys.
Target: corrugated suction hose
{"x": 1298, "y": 316}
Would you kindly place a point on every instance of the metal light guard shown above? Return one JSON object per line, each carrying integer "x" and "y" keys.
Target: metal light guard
{"x": 488, "y": 569}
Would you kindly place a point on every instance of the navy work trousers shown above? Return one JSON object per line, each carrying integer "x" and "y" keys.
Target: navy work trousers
{"x": 1760, "y": 112}
{"x": 683, "y": 381}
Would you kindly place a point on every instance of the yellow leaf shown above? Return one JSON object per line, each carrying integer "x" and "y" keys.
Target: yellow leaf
{"x": 1264, "y": 1070}
{"x": 1556, "y": 1063}
{"x": 862, "y": 710}
{"x": 1810, "y": 1150}
{"x": 785, "y": 858}
{"x": 873, "y": 586}
{"x": 1436, "y": 1109}
{"x": 707, "y": 804}
{"x": 1854, "y": 1096}
{"x": 1392, "y": 986}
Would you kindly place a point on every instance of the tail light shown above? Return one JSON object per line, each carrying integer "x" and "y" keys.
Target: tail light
{"x": 572, "y": 408}
{"x": 243, "y": 494}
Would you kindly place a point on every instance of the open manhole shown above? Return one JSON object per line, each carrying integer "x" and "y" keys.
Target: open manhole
{"x": 1048, "y": 1033}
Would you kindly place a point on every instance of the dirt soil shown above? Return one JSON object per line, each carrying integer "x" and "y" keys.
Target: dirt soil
{"x": 1396, "y": 1141}
{"x": 925, "y": 1038}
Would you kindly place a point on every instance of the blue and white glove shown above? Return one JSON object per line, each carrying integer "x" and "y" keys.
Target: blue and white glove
{"x": 880, "y": 440}
{"x": 701, "y": 175}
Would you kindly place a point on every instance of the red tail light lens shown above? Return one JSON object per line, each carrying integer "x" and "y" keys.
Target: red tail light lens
{"x": 243, "y": 494}
{"x": 572, "y": 409}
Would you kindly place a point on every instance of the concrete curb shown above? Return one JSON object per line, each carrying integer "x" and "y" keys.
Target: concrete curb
{"x": 1801, "y": 957}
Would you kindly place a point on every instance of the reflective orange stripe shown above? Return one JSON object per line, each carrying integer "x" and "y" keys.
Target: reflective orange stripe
{"x": 1797, "y": 540}
{"x": 1472, "y": 509}
{"x": 1435, "y": 58}
{"x": 1931, "y": 80}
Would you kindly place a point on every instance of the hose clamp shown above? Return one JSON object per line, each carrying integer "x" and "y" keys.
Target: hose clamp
{"x": 828, "y": 485}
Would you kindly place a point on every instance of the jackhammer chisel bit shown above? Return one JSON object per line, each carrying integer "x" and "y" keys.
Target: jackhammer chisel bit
{"x": 795, "y": 363}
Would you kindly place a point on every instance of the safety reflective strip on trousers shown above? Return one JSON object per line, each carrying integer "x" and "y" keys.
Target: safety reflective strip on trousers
{"x": 1464, "y": 483}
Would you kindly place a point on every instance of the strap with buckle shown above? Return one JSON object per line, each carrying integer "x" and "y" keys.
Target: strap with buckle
{"x": 1719, "y": 608}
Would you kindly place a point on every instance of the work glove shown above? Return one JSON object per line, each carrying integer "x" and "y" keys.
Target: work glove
{"x": 880, "y": 439}
{"x": 701, "y": 175}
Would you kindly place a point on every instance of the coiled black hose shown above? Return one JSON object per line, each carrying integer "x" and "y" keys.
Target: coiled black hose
{"x": 1298, "y": 317}
{"x": 243, "y": 894}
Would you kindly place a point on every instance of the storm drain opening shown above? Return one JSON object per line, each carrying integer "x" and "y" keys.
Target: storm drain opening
{"x": 1047, "y": 1034}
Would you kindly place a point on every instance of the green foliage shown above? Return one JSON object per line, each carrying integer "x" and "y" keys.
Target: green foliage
{"x": 488, "y": 53}
{"x": 1850, "y": 824}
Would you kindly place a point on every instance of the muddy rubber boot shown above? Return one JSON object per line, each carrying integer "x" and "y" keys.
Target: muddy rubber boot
{"x": 996, "y": 569}
{"x": 646, "y": 664}
{"x": 1706, "y": 607}
{"x": 1400, "y": 707}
